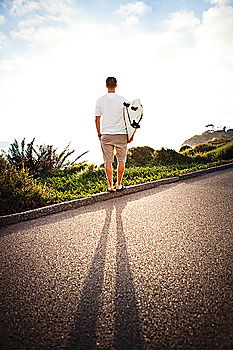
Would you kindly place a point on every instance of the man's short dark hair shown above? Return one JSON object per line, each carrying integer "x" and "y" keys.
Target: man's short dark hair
{"x": 111, "y": 82}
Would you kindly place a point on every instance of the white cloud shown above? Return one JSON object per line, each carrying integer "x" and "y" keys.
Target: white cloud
{"x": 12, "y": 65}
{"x": 58, "y": 6}
{"x": 132, "y": 11}
{"x": 44, "y": 13}
{"x": 2, "y": 19}
{"x": 133, "y": 8}
{"x": 23, "y": 7}
{"x": 60, "y": 10}
{"x": 32, "y": 21}
{"x": 182, "y": 20}
{"x": 220, "y": 2}
{"x": 2, "y": 39}
{"x": 177, "y": 31}
{"x": 56, "y": 10}
{"x": 27, "y": 34}
{"x": 214, "y": 36}
{"x": 28, "y": 27}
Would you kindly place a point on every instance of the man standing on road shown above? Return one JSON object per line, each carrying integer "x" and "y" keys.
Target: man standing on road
{"x": 112, "y": 133}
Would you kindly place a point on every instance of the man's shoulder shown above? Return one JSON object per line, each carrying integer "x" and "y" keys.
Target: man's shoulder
{"x": 116, "y": 96}
{"x": 101, "y": 97}
{"x": 121, "y": 98}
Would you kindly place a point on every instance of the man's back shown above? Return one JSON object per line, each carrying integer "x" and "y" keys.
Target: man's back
{"x": 110, "y": 107}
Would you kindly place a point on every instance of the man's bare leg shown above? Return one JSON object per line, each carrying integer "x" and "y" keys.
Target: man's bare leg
{"x": 120, "y": 173}
{"x": 109, "y": 174}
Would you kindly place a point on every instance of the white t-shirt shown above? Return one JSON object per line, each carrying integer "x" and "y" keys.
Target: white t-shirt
{"x": 110, "y": 108}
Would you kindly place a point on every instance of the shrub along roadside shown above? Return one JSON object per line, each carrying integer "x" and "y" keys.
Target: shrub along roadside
{"x": 224, "y": 152}
{"x": 38, "y": 159}
{"x": 19, "y": 192}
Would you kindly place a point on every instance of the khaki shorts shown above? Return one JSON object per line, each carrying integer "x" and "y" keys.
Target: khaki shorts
{"x": 117, "y": 142}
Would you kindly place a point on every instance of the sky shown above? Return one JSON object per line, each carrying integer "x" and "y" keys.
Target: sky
{"x": 55, "y": 55}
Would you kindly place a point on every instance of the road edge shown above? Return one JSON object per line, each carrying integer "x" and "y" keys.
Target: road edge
{"x": 77, "y": 203}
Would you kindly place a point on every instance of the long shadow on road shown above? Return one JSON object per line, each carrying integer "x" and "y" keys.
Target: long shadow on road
{"x": 84, "y": 335}
{"x": 127, "y": 324}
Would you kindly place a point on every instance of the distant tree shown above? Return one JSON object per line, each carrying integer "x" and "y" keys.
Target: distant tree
{"x": 210, "y": 126}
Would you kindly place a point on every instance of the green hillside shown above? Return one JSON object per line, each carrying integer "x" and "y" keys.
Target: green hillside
{"x": 209, "y": 135}
{"x": 221, "y": 149}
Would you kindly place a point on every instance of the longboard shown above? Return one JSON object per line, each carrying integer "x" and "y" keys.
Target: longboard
{"x": 133, "y": 113}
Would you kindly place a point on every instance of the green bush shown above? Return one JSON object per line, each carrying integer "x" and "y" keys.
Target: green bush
{"x": 170, "y": 156}
{"x": 18, "y": 191}
{"x": 38, "y": 159}
{"x": 140, "y": 156}
{"x": 222, "y": 153}
{"x": 3, "y": 165}
{"x": 74, "y": 169}
{"x": 90, "y": 180}
{"x": 220, "y": 142}
{"x": 204, "y": 147}
{"x": 184, "y": 148}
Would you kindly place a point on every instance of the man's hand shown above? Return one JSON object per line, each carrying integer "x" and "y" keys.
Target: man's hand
{"x": 131, "y": 139}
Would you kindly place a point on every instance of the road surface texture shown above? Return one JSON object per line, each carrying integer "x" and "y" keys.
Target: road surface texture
{"x": 151, "y": 270}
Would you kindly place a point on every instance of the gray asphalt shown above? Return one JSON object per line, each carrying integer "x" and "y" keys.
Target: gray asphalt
{"x": 152, "y": 270}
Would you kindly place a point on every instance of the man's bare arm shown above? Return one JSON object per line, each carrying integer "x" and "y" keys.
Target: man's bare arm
{"x": 97, "y": 124}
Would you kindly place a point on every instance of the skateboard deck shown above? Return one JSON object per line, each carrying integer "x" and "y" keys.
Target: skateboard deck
{"x": 133, "y": 113}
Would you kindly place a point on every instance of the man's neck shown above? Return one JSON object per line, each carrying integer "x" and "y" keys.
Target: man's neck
{"x": 111, "y": 91}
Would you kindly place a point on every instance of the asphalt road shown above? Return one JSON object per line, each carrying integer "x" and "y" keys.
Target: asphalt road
{"x": 151, "y": 270}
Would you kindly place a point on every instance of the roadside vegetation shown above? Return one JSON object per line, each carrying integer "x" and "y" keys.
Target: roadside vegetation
{"x": 31, "y": 177}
